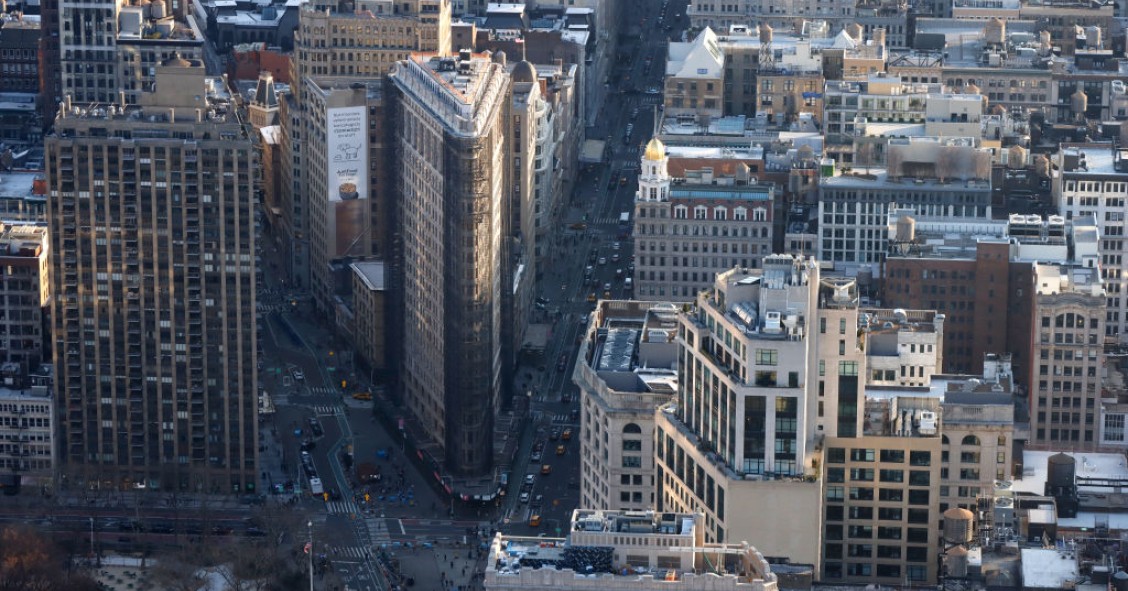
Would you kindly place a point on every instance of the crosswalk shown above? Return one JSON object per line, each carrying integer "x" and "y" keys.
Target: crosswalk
{"x": 342, "y": 507}
{"x": 607, "y": 220}
{"x": 339, "y": 552}
{"x": 322, "y": 390}
{"x": 378, "y": 530}
{"x": 328, "y": 411}
{"x": 650, "y": 99}
{"x": 560, "y": 418}
{"x": 270, "y": 308}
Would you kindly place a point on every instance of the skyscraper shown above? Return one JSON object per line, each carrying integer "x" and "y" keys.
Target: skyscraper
{"x": 451, "y": 146}
{"x": 152, "y": 251}
{"x": 335, "y": 47}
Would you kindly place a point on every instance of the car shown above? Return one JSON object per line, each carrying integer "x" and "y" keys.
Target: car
{"x": 535, "y": 457}
{"x": 562, "y": 363}
{"x": 591, "y": 297}
{"x": 615, "y": 257}
{"x": 634, "y": 113}
{"x": 298, "y": 374}
{"x": 559, "y": 450}
{"x": 622, "y": 180}
{"x": 592, "y": 256}
{"x": 534, "y": 521}
{"x": 554, "y": 435}
{"x": 627, "y": 283}
{"x": 616, "y": 246}
{"x": 588, "y": 271}
{"x": 538, "y": 500}
{"x": 602, "y": 261}
{"x": 315, "y": 426}
{"x": 566, "y": 435}
{"x": 524, "y": 498}
{"x": 546, "y": 469}
{"x": 529, "y": 479}
{"x": 606, "y": 294}
{"x": 362, "y": 396}
{"x": 566, "y": 398}
{"x": 307, "y": 444}
{"x": 606, "y": 287}
{"x": 538, "y": 446}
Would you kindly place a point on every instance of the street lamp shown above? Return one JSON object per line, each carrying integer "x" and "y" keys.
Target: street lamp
{"x": 309, "y": 548}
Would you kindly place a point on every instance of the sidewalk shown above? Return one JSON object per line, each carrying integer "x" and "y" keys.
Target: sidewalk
{"x": 442, "y": 568}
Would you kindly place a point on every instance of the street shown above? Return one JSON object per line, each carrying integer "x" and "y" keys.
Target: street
{"x": 589, "y": 237}
{"x": 304, "y": 368}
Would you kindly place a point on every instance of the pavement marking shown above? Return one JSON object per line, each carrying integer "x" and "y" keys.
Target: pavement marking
{"x": 347, "y": 551}
{"x": 327, "y": 411}
{"x": 336, "y": 507}
{"x": 323, "y": 390}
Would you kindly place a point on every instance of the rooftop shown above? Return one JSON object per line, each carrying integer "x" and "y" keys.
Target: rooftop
{"x": 1053, "y": 568}
{"x": 632, "y": 346}
{"x": 1035, "y": 470}
{"x": 461, "y": 89}
{"x": 660, "y": 547}
{"x": 371, "y": 273}
{"x": 21, "y": 184}
{"x": 1055, "y": 279}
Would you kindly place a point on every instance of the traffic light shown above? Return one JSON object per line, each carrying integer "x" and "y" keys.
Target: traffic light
{"x": 367, "y": 497}
{"x": 325, "y": 496}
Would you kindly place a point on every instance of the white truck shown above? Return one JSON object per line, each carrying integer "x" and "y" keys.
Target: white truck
{"x": 315, "y": 486}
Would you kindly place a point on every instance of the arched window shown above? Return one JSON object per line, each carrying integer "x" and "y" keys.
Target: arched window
{"x": 943, "y": 440}
{"x": 970, "y": 440}
{"x": 632, "y": 429}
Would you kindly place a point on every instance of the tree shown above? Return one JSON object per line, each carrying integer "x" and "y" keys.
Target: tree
{"x": 31, "y": 562}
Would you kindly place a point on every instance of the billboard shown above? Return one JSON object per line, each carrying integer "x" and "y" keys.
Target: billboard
{"x": 347, "y": 143}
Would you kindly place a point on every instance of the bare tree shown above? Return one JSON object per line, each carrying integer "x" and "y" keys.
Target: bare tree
{"x": 945, "y": 163}
{"x": 30, "y": 562}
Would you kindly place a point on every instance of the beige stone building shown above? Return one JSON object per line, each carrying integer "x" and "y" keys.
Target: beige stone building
{"x": 687, "y": 231}
{"x": 27, "y": 434}
{"x": 1067, "y": 360}
{"x": 153, "y": 267}
{"x": 882, "y": 505}
{"x": 630, "y": 551}
{"x": 627, "y": 369}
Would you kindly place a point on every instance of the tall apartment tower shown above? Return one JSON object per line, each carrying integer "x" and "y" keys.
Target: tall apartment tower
{"x": 152, "y": 256}
{"x": 742, "y": 431}
{"x": 451, "y": 145}
{"x": 108, "y": 47}
{"x": 334, "y": 47}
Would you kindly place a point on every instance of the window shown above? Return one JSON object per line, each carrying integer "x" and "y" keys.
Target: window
{"x": 632, "y": 429}
{"x": 970, "y": 440}
{"x": 892, "y": 476}
{"x": 632, "y": 445}
{"x": 969, "y": 473}
{"x": 836, "y": 455}
{"x": 861, "y": 474}
{"x": 861, "y": 455}
{"x": 892, "y": 494}
{"x": 767, "y": 356}
{"x": 889, "y": 513}
{"x": 919, "y": 478}
{"x": 920, "y": 458}
{"x": 632, "y": 461}
{"x": 918, "y": 497}
{"x": 969, "y": 457}
{"x": 847, "y": 368}
{"x": 892, "y": 456}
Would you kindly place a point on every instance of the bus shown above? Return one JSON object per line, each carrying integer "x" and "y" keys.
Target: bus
{"x": 624, "y": 225}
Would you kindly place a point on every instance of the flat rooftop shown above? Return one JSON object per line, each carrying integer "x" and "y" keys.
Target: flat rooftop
{"x": 1048, "y": 568}
{"x": 633, "y": 348}
{"x": 19, "y": 184}
{"x": 1089, "y": 465}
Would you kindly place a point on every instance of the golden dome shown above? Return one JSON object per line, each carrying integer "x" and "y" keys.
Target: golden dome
{"x": 655, "y": 150}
